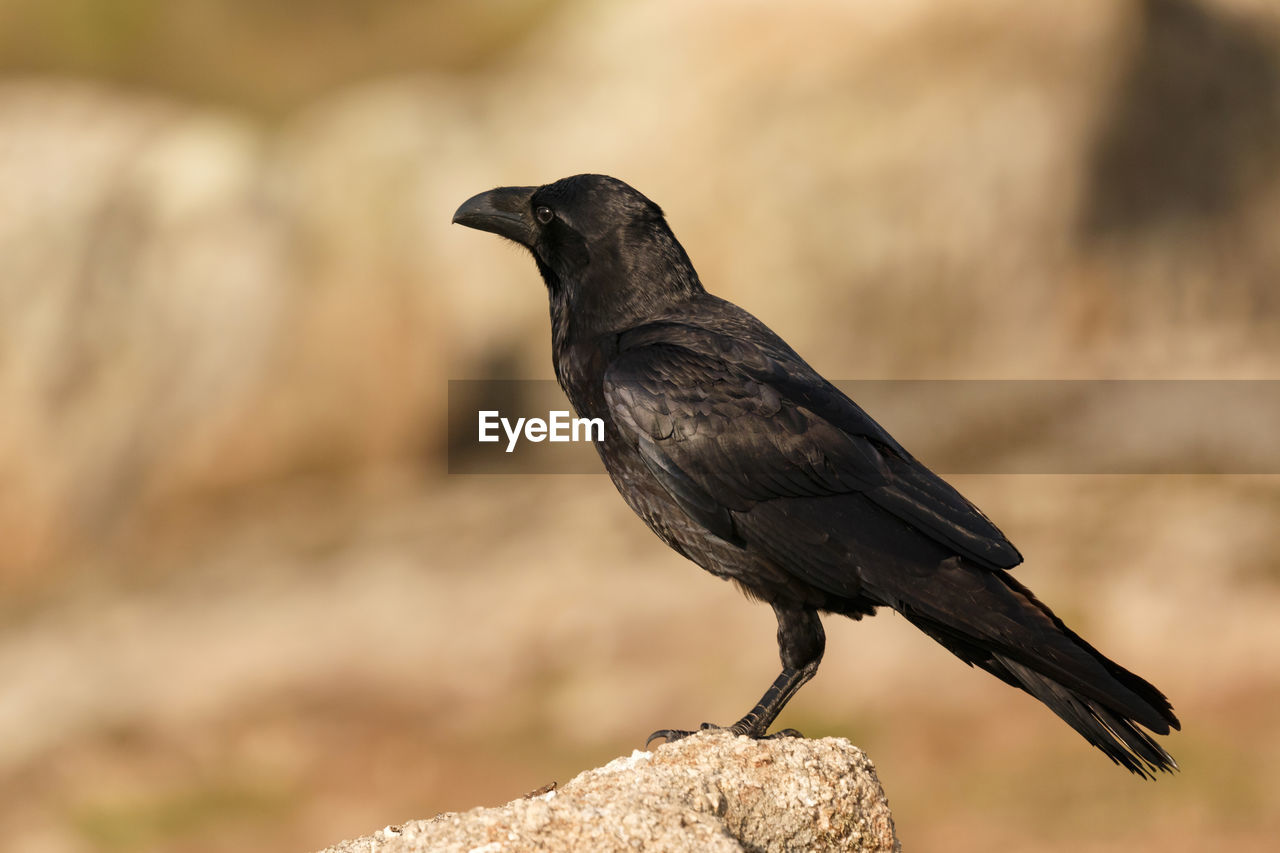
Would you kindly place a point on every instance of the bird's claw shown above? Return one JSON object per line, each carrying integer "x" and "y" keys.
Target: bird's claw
{"x": 668, "y": 735}
{"x": 673, "y": 735}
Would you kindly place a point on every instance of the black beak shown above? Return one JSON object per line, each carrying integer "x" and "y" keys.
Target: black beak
{"x": 504, "y": 211}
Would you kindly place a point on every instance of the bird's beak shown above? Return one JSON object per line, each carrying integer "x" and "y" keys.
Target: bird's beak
{"x": 504, "y": 211}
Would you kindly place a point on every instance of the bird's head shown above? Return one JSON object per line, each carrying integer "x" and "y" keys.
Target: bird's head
{"x": 604, "y": 250}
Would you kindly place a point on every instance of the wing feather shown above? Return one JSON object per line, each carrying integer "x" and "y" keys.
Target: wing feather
{"x": 726, "y": 426}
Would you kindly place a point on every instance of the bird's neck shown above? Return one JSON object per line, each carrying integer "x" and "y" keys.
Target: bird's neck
{"x": 581, "y": 348}
{"x": 625, "y": 284}
{"x": 622, "y": 289}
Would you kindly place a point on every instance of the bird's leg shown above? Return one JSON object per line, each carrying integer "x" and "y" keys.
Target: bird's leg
{"x": 801, "y": 642}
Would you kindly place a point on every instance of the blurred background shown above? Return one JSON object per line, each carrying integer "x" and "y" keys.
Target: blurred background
{"x": 244, "y": 607}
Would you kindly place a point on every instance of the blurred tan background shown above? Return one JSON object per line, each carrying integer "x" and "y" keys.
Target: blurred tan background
{"x": 245, "y": 608}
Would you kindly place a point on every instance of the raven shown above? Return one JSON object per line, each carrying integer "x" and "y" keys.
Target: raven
{"x": 741, "y": 457}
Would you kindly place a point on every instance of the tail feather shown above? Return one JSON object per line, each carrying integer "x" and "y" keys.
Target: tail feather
{"x": 1015, "y": 637}
{"x": 1155, "y": 711}
{"x": 1118, "y": 737}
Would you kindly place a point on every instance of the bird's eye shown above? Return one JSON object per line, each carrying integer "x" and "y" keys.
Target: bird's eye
{"x": 544, "y": 214}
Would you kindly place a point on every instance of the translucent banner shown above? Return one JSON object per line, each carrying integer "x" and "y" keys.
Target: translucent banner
{"x": 953, "y": 426}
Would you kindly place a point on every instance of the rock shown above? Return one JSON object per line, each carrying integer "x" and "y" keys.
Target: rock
{"x": 712, "y": 792}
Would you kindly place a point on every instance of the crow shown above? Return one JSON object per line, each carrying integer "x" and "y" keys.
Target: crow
{"x": 742, "y": 458}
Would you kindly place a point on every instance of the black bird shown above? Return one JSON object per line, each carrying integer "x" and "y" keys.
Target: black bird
{"x": 743, "y": 459}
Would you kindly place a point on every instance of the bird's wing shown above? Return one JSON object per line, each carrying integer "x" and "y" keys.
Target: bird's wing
{"x": 726, "y": 425}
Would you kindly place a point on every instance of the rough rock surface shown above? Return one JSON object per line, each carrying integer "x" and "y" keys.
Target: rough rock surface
{"x": 712, "y": 792}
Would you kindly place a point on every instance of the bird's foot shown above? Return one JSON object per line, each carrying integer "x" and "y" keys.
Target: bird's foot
{"x": 673, "y": 735}
{"x": 742, "y": 727}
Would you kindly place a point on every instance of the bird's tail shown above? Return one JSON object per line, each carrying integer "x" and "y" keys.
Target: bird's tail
{"x": 1019, "y": 640}
{"x": 1119, "y": 737}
